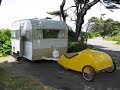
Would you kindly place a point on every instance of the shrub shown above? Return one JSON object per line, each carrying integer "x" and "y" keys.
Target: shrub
{"x": 71, "y": 35}
{"x": 97, "y": 34}
{"x": 5, "y": 42}
{"x": 93, "y": 34}
{"x": 76, "y": 46}
{"x": 90, "y": 34}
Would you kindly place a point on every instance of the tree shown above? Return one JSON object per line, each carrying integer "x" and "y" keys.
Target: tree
{"x": 0, "y": 2}
{"x": 114, "y": 28}
{"x": 82, "y": 6}
{"x": 107, "y": 27}
{"x": 55, "y": 13}
{"x": 97, "y": 25}
{"x": 81, "y": 9}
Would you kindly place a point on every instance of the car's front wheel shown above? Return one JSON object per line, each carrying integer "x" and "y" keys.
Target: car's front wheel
{"x": 88, "y": 73}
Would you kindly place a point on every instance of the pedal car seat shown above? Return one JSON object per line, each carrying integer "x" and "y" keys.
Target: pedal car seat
{"x": 70, "y": 55}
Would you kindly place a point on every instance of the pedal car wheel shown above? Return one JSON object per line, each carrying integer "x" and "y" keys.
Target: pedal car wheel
{"x": 88, "y": 73}
{"x": 111, "y": 69}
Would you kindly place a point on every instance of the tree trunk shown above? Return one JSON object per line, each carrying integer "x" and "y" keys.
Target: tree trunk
{"x": 0, "y": 2}
{"x": 80, "y": 17}
{"x": 79, "y": 26}
{"x": 62, "y": 10}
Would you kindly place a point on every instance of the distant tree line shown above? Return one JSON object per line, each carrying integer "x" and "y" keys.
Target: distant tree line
{"x": 107, "y": 27}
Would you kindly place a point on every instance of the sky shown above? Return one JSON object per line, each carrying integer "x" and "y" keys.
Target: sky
{"x": 13, "y": 10}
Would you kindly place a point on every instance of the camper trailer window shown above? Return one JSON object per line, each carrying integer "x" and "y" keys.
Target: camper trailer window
{"x": 15, "y": 34}
{"x": 40, "y": 34}
{"x": 50, "y": 33}
{"x": 61, "y": 34}
{"x": 27, "y": 36}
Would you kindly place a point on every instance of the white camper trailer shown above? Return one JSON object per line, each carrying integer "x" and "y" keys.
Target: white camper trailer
{"x": 34, "y": 39}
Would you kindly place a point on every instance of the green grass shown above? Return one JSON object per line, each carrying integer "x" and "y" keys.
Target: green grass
{"x": 18, "y": 82}
{"x": 108, "y": 38}
{"x": 113, "y": 38}
{"x": 118, "y": 42}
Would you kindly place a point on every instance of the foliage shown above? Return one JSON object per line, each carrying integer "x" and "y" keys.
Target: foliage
{"x": 113, "y": 5}
{"x": 93, "y": 34}
{"x": 74, "y": 46}
{"x": 113, "y": 38}
{"x": 97, "y": 34}
{"x": 90, "y": 35}
{"x": 71, "y": 35}
{"x": 56, "y": 13}
{"x": 5, "y": 42}
{"x": 118, "y": 42}
{"x": 96, "y": 24}
{"x": 107, "y": 27}
{"x": 81, "y": 8}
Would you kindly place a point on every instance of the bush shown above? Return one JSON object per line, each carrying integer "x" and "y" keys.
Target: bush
{"x": 5, "y": 42}
{"x": 93, "y": 34}
{"x": 97, "y": 34}
{"x": 90, "y": 35}
{"x": 71, "y": 35}
{"x": 76, "y": 46}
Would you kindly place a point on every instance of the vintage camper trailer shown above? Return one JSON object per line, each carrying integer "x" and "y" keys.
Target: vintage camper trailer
{"x": 34, "y": 39}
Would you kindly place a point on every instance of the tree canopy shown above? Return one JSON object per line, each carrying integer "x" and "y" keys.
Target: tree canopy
{"x": 81, "y": 8}
{"x": 107, "y": 27}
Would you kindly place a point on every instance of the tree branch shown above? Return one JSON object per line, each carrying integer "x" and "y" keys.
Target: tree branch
{"x": 69, "y": 8}
{"x": 89, "y": 5}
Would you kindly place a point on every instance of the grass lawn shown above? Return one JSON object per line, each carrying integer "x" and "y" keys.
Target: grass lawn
{"x": 113, "y": 38}
{"x": 19, "y": 82}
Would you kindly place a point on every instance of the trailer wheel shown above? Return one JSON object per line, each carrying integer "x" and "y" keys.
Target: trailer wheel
{"x": 111, "y": 69}
{"x": 88, "y": 73}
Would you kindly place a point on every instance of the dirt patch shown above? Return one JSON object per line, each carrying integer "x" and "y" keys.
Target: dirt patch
{"x": 8, "y": 59}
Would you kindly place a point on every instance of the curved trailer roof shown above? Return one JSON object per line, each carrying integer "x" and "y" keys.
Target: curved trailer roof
{"x": 45, "y": 24}
{"x": 48, "y": 24}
